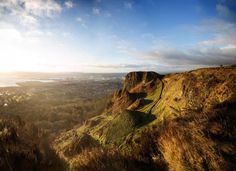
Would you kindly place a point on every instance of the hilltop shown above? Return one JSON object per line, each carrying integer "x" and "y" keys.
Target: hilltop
{"x": 183, "y": 121}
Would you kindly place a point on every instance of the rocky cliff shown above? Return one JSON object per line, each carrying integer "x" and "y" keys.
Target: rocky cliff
{"x": 137, "y": 85}
{"x": 134, "y": 79}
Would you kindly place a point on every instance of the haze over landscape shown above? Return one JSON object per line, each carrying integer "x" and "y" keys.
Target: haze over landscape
{"x": 116, "y": 36}
{"x": 117, "y": 85}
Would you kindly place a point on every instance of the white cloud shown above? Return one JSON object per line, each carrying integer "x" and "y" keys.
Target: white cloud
{"x": 219, "y": 49}
{"x": 148, "y": 36}
{"x": 96, "y": 11}
{"x": 27, "y": 47}
{"x": 9, "y": 34}
{"x": 222, "y": 10}
{"x": 123, "y": 46}
{"x": 66, "y": 34}
{"x": 27, "y": 12}
{"x": 223, "y": 32}
{"x": 42, "y": 7}
{"x": 128, "y": 5}
{"x": 81, "y": 21}
{"x": 28, "y": 20}
{"x": 198, "y": 9}
{"x": 193, "y": 56}
{"x": 108, "y": 14}
{"x": 143, "y": 66}
{"x": 69, "y": 4}
{"x": 34, "y": 51}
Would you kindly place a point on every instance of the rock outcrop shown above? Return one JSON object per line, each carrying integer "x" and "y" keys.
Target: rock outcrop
{"x": 137, "y": 85}
{"x": 133, "y": 79}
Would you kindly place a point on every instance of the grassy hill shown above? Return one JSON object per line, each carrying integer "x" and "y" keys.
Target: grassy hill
{"x": 180, "y": 122}
{"x": 177, "y": 122}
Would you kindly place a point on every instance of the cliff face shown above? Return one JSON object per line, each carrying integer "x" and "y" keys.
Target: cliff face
{"x": 137, "y": 85}
{"x": 133, "y": 79}
{"x": 193, "y": 114}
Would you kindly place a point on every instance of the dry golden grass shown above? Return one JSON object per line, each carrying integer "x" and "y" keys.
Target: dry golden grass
{"x": 107, "y": 160}
{"x": 191, "y": 143}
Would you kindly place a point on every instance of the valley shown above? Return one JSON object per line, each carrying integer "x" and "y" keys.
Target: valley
{"x": 56, "y": 106}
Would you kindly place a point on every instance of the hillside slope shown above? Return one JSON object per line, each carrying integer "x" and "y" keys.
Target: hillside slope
{"x": 24, "y": 147}
{"x": 180, "y": 121}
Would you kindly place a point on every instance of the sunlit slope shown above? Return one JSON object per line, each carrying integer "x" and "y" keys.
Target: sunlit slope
{"x": 174, "y": 105}
{"x": 128, "y": 111}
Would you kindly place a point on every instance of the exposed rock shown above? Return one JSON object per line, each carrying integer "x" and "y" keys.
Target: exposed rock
{"x": 132, "y": 79}
{"x": 136, "y": 86}
{"x": 121, "y": 100}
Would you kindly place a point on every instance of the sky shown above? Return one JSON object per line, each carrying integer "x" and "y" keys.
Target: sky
{"x": 116, "y": 35}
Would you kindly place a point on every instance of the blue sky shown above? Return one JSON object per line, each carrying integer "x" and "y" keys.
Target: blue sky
{"x": 116, "y": 35}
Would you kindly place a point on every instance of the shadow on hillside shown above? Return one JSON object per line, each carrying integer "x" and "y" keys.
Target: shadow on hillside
{"x": 141, "y": 118}
{"x": 146, "y": 101}
{"x": 139, "y": 95}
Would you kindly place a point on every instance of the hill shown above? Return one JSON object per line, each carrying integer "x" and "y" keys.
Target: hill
{"x": 183, "y": 121}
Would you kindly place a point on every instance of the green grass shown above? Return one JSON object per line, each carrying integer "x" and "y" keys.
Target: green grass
{"x": 115, "y": 129}
{"x": 154, "y": 97}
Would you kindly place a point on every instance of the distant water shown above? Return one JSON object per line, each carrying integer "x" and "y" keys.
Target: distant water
{"x": 12, "y": 81}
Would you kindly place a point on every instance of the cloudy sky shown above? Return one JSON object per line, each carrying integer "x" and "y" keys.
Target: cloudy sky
{"x": 116, "y": 35}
